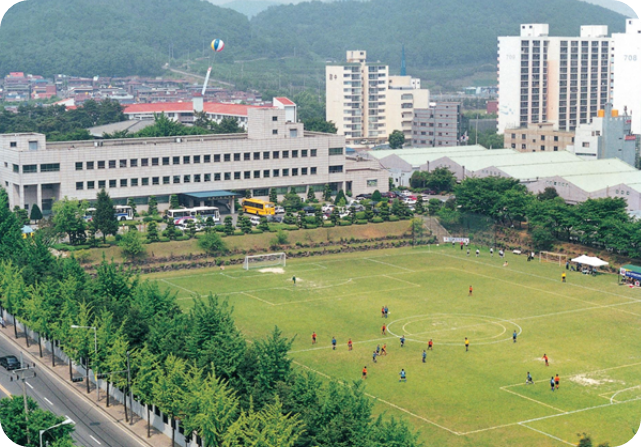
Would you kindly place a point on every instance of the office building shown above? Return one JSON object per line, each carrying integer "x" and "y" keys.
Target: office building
{"x": 538, "y": 137}
{"x": 437, "y": 125}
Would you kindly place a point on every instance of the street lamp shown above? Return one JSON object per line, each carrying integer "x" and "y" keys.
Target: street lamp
{"x": 95, "y": 339}
{"x": 65, "y": 422}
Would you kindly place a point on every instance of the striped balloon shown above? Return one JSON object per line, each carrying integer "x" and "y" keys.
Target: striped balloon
{"x": 217, "y": 45}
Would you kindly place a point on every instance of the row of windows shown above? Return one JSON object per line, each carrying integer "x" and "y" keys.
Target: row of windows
{"x": 32, "y": 169}
{"x": 198, "y": 178}
{"x": 197, "y": 159}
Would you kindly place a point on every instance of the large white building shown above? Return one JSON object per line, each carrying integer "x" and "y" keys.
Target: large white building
{"x": 275, "y": 153}
{"x": 559, "y": 80}
{"x": 626, "y": 88}
{"x": 366, "y": 104}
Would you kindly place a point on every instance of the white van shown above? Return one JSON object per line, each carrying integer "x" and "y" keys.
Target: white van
{"x": 255, "y": 220}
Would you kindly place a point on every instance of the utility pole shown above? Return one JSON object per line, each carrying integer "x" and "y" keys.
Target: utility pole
{"x": 20, "y": 376}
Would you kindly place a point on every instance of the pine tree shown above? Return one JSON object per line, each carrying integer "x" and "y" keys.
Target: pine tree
{"x": 171, "y": 230}
{"x": 248, "y": 193}
{"x": 229, "y": 226}
{"x": 174, "y": 204}
{"x": 311, "y": 197}
{"x": 418, "y": 207}
{"x": 244, "y": 224}
{"x": 340, "y": 196}
{"x": 152, "y": 232}
{"x": 104, "y": 216}
{"x": 36, "y": 214}
{"x": 152, "y": 206}
{"x": 22, "y": 215}
{"x": 131, "y": 203}
{"x": 191, "y": 228}
{"x": 327, "y": 193}
{"x": 273, "y": 196}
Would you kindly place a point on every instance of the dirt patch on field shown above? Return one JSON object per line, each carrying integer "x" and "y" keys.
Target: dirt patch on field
{"x": 277, "y": 270}
{"x": 581, "y": 379}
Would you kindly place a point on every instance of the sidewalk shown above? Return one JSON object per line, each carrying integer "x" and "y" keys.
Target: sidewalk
{"x": 116, "y": 411}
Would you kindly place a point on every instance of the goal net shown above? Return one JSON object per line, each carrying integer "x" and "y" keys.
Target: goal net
{"x": 267, "y": 260}
{"x": 557, "y": 258}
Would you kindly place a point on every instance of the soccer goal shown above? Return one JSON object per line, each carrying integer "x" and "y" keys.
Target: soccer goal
{"x": 557, "y": 258}
{"x": 267, "y": 260}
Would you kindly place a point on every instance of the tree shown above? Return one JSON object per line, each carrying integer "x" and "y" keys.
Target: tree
{"x": 376, "y": 196}
{"x": 327, "y": 193}
{"x": 229, "y": 125}
{"x": 22, "y": 215}
{"x": 273, "y": 362}
{"x": 67, "y": 219}
{"x": 319, "y": 125}
{"x": 171, "y": 231}
{"x": 169, "y": 389}
{"x": 392, "y": 433}
{"x": 280, "y": 238}
{"x": 152, "y": 232}
{"x": 146, "y": 367}
{"x": 441, "y": 180}
{"x": 417, "y": 227}
{"x": 36, "y": 214}
{"x": 548, "y": 193}
{"x": 433, "y": 206}
{"x": 263, "y": 225}
{"x": 542, "y": 239}
{"x": 418, "y": 207}
{"x": 385, "y": 212}
{"x": 152, "y": 206}
{"x": 104, "y": 216}
{"x": 244, "y": 224}
{"x": 191, "y": 228}
{"x": 273, "y": 196}
{"x": 248, "y": 193}
{"x": 229, "y": 226}
{"x": 212, "y": 243}
{"x": 174, "y": 204}
{"x": 311, "y": 197}
{"x": 396, "y": 139}
{"x": 131, "y": 244}
{"x": 340, "y": 199}
{"x": 132, "y": 204}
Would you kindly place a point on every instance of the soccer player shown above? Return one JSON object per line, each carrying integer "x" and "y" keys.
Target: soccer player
{"x": 313, "y": 338}
{"x": 545, "y": 357}
{"x": 467, "y": 344}
{"x": 477, "y": 252}
{"x": 461, "y": 245}
{"x": 556, "y": 381}
{"x": 514, "y": 336}
{"x": 470, "y": 294}
{"x": 402, "y": 340}
{"x": 378, "y": 349}
{"x": 468, "y": 252}
{"x": 429, "y": 345}
{"x": 386, "y": 311}
{"x": 364, "y": 372}
{"x": 349, "y": 344}
{"x": 403, "y": 376}
{"x": 384, "y": 350}
{"x": 563, "y": 277}
{"x": 552, "y": 383}
{"x": 528, "y": 380}
{"x": 383, "y": 329}
{"x": 424, "y": 355}
{"x": 294, "y": 280}
{"x": 383, "y": 312}
{"x": 334, "y": 343}
{"x": 492, "y": 251}
{"x": 374, "y": 354}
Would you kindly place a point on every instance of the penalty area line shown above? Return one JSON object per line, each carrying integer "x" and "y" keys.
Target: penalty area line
{"x": 546, "y": 434}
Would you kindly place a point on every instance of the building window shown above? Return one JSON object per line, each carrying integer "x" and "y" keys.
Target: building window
{"x": 91, "y": 185}
{"x": 144, "y": 162}
{"x": 556, "y": 148}
{"x": 294, "y": 154}
{"x": 266, "y": 173}
{"x": 274, "y": 131}
{"x": 101, "y": 184}
{"x": 217, "y": 158}
{"x": 542, "y": 147}
{"x": 236, "y": 157}
{"x": 256, "y": 155}
{"x": 145, "y": 181}
{"x": 154, "y": 161}
{"x": 217, "y": 177}
{"x": 523, "y": 146}
{"x": 556, "y": 138}
{"x": 90, "y": 165}
{"x": 30, "y": 169}
{"x": 294, "y": 172}
{"x": 175, "y": 160}
{"x": 372, "y": 183}
{"x": 256, "y": 174}
{"x": 285, "y": 172}
{"x": 285, "y": 154}
{"x": 79, "y": 186}
{"x": 112, "y": 164}
{"x": 13, "y": 144}
{"x": 133, "y": 182}
{"x": 207, "y": 177}
{"x": 276, "y": 173}
{"x": 261, "y": 192}
{"x": 133, "y": 163}
{"x": 247, "y": 156}
{"x": 226, "y": 157}
{"x": 335, "y": 169}
{"x": 266, "y": 155}
{"x": 303, "y": 153}
{"x": 49, "y": 167}
{"x": 523, "y": 137}
{"x": 227, "y": 175}
{"x": 155, "y": 180}
{"x": 196, "y": 178}
{"x": 78, "y": 166}
{"x": 166, "y": 180}
{"x": 165, "y": 161}
{"x": 123, "y": 163}
{"x": 237, "y": 175}
{"x": 112, "y": 183}
{"x": 176, "y": 179}
{"x": 123, "y": 182}
{"x": 196, "y": 159}
{"x": 33, "y": 145}
{"x": 335, "y": 151}
{"x": 303, "y": 171}
{"x": 542, "y": 137}
{"x": 186, "y": 159}
{"x": 207, "y": 159}
{"x": 275, "y": 155}
{"x": 274, "y": 118}
{"x": 314, "y": 152}
{"x": 186, "y": 178}
{"x": 247, "y": 175}
{"x": 312, "y": 171}
{"x": 586, "y": 144}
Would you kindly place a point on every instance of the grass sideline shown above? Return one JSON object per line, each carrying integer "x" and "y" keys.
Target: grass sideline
{"x": 589, "y": 327}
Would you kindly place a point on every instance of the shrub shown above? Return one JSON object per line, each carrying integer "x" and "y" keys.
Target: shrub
{"x": 280, "y": 238}
{"x": 131, "y": 244}
{"x": 361, "y": 215}
{"x": 344, "y": 223}
{"x": 182, "y": 238}
{"x": 377, "y": 219}
{"x": 393, "y": 218}
{"x": 212, "y": 243}
{"x": 328, "y": 224}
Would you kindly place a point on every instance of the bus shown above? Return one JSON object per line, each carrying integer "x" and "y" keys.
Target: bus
{"x": 179, "y": 213}
{"x": 259, "y": 207}
{"x": 203, "y": 212}
{"x": 121, "y": 212}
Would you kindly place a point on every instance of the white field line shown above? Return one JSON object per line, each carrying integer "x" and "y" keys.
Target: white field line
{"x": 612, "y": 399}
{"x": 339, "y": 297}
{"x": 401, "y": 280}
{"x": 547, "y": 434}
{"x": 191, "y": 292}
{"x": 390, "y": 265}
{"x": 259, "y": 299}
{"x": 452, "y": 328}
{"x": 329, "y": 346}
{"x": 533, "y": 400}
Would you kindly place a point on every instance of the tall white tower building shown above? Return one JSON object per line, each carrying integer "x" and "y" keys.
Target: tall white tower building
{"x": 626, "y": 67}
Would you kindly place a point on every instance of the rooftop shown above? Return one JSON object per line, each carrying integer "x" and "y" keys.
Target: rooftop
{"x": 188, "y": 106}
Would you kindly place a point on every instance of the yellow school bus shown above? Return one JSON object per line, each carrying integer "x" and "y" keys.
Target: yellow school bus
{"x": 258, "y": 207}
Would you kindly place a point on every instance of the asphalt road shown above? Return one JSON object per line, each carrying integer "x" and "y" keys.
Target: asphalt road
{"x": 92, "y": 427}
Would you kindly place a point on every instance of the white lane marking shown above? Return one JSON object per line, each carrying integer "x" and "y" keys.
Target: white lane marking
{"x": 48, "y": 401}
{"x": 29, "y": 385}
{"x": 97, "y": 442}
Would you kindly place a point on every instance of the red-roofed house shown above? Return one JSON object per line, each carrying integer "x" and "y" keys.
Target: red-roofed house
{"x": 289, "y": 106}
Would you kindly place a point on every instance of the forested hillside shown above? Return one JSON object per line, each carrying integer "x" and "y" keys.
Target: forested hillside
{"x": 125, "y": 37}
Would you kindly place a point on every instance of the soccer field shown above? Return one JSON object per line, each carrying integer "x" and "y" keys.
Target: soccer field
{"x": 589, "y": 327}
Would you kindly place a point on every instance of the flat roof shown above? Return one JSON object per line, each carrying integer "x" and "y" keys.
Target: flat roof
{"x": 560, "y": 168}
{"x": 211, "y": 194}
{"x": 599, "y": 181}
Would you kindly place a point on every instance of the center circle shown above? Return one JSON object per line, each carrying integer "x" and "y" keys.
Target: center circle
{"x": 451, "y": 329}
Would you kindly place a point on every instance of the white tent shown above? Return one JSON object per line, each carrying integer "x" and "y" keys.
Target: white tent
{"x": 588, "y": 260}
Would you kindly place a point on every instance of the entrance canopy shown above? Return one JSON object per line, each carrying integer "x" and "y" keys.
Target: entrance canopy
{"x": 220, "y": 194}
{"x": 589, "y": 260}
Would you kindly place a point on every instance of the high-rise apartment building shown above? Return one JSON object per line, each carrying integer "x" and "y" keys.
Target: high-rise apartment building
{"x": 626, "y": 67}
{"x": 366, "y": 104}
{"x": 560, "y": 80}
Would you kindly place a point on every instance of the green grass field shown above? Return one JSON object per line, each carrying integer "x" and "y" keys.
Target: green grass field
{"x": 590, "y": 328}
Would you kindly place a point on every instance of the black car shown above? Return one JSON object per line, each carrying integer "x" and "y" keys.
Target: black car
{"x": 10, "y": 362}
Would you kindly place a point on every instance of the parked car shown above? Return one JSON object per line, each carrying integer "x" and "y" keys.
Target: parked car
{"x": 389, "y": 195}
{"x": 255, "y": 220}
{"x": 363, "y": 196}
{"x": 10, "y": 362}
{"x": 279, "y": 210}
{"x": 327, "y": 208}
{"x": 309, "y": 211}
{"x": 277, "y": 219}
